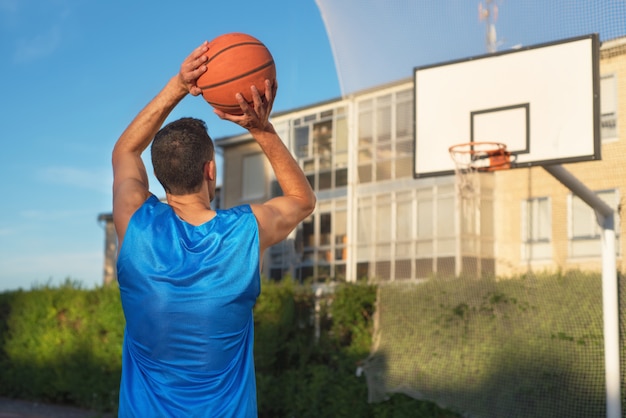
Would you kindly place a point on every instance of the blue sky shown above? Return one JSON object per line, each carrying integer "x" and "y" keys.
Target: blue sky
{"x": 75, "y": 72}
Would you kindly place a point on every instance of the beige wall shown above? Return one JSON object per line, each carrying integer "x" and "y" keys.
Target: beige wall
{"x": 517, "y": 185}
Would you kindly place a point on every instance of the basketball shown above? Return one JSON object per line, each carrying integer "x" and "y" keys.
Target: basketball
{"x": 236, "y": 61}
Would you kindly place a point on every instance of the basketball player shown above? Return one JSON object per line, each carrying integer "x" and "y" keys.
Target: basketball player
{"x": 189, "y": 275}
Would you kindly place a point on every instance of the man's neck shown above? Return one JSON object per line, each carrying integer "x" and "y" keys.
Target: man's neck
{"x": 194, "y": 208}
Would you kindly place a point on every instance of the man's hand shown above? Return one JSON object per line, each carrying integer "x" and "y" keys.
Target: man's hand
{"x": 255, "y": 117}
{"x": 192, "y": 68}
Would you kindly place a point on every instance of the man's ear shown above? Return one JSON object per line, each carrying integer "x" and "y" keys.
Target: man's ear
{"x": 210, "y": 171}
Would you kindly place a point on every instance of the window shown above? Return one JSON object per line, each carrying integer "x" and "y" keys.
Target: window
{"x": 406, "y": 234}
{"x": 404, "y": 134}
{"x": 584, "y": 230}
{"x": 404, "y": 225}
{"x": 425, "y": 226}
{"x": 308, "y": 232}
{"x": 302, "y": 141}
{"x": 341, "y": 235}
{"x": 536, "y": 229}
{"x": 320, "y": 248}
{"x": 383, "y": 232}
{"x": 321, "y": 147}
{"x": 608, "y": 107}
{"x": 253, "y": 177}
{"x": 385, "y": 137}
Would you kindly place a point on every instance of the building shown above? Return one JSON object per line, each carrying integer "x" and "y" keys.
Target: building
{"x": 374, "y": 220}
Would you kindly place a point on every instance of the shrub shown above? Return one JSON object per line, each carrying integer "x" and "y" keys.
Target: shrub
{"x": 63, "y": 345}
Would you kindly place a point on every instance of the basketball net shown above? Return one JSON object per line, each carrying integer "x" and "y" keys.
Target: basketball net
{"x": 471, "y": 158}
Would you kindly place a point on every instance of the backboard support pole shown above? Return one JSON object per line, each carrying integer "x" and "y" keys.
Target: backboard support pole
{"x": 610, "y": 295}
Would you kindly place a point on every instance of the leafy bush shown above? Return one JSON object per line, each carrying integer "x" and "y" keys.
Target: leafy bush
{"x": 63, "y": 345}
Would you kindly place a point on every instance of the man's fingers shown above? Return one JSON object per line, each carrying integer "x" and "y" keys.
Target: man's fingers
{"x": 270, "y": 89}
{"x": 245, "y": 106}
{"x": 256, "y": 97}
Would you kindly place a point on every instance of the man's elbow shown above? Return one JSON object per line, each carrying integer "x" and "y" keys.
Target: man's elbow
{"x": 309, "y": 204}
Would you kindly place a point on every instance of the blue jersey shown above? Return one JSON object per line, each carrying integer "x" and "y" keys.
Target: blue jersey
{"x": 187, "y": 293}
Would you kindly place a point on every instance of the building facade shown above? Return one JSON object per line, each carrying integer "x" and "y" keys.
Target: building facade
{"x": 374, "y": 220}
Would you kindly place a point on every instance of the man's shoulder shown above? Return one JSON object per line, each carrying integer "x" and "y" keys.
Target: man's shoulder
{"x": 237, "y": 215}
{"x": 236, "y": 210}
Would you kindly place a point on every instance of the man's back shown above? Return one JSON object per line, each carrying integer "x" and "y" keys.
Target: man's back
{"x": 188, "y": 301}
{"x": 188, "y": 293}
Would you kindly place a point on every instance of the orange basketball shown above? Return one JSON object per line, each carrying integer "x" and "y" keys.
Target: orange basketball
{"x": 236, "y": 62}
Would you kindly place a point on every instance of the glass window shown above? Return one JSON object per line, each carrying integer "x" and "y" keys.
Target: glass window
{"x": 383, "y": 118}
{"x": 308, "y": 166}
{"x": 383, "y": 219}
{"x": 302, "y": 141}
{"x": 404, "y": 221}
{"x": 322, "y": 138}
{"x": 364, "y": 229}
{"x": 253, "y": 176}
{"x": 308, "y": 232}
{"x": 583, "y": 220}
{"x": 404, "y": 114}
{"x": 365, "y": 156}
{"x": 585, "y": 232}
{"x": 445, "y": 217}
{"x": 325, "y": 228}
{"x": 321, "y": 146}
{"x": 384, "y": 170}
{"x": 384, "y": 152}
{"x": 341, "y": 227}
{"x": 365, "y": 173}
{"x": 424, "y": 219}
{"x": 366, "y": 122}
{"x": 325, "y": 180}
{"x": 404, "y": 149}
{"x": 584, "y": 223}
{"x": 537, "y": 217}
{"x": 536, "y": 229}
{"x": 341, "y": 177}
{"x": 608, "y": 107}
{"x": 341, "y": 135}
{"x": 362, "y": 270}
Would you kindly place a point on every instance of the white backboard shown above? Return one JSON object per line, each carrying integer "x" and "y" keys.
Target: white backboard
{"x": 541, "y": 101}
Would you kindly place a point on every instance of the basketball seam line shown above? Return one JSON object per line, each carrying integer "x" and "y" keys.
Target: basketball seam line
{"x": 217, "y": 54}
{"x": 254, "y": 70}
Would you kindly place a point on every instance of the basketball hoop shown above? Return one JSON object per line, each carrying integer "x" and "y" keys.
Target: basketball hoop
{"x": 471, "y": 158}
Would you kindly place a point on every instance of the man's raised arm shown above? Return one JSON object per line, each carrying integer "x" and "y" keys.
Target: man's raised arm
{"x": 130, "y": 180}
{"x": 278, "y": 216}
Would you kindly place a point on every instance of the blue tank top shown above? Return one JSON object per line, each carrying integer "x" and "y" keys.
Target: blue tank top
{"x": 187, "y": 293}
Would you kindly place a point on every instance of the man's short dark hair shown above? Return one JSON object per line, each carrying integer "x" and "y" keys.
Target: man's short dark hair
{"x": 179, "y": 151}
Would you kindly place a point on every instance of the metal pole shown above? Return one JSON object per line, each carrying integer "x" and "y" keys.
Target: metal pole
{"x": 610, "y": 297}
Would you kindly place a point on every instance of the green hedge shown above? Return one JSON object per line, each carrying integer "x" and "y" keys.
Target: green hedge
{"x": 63, "y": 345}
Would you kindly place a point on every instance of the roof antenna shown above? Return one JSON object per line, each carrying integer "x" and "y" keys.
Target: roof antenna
{"x": 488, "y": 12}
